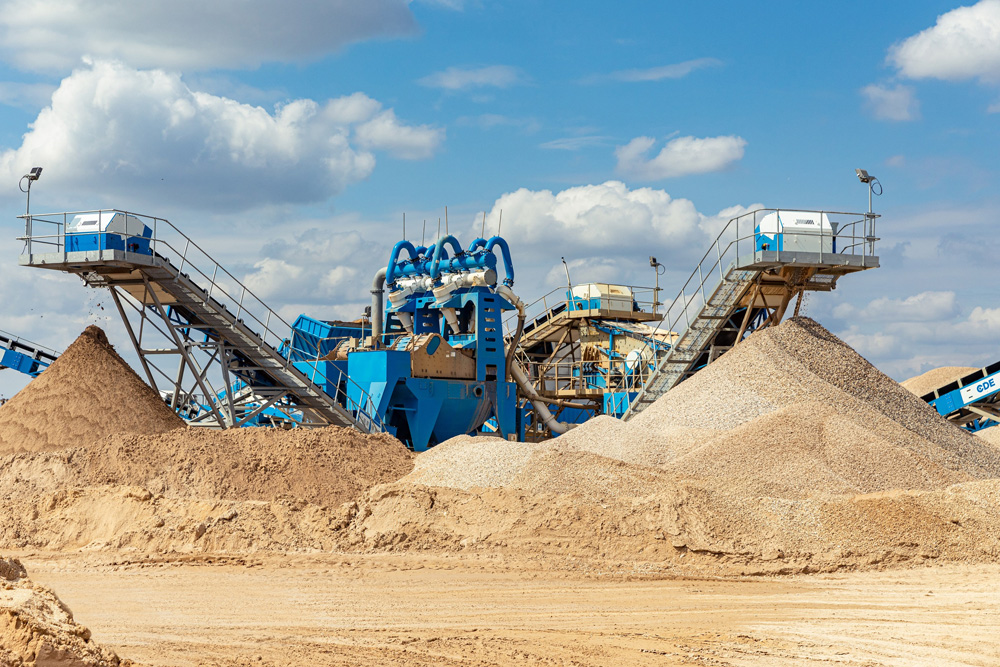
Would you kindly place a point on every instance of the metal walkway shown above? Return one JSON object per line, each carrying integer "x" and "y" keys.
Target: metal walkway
{"x": 737, "y": 275}
{"x": 221, "y": 340}
{"x": 22, "y": 355}
{"x": 971, "y": 402}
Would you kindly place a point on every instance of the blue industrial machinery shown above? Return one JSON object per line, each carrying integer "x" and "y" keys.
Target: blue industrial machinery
{"x": 437, "y": 366}
{"x": 24, "y": 356}
{"x": 971, "y": 402}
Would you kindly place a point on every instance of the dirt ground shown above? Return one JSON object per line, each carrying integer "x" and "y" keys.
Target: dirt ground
{"x": 427, "y": 610}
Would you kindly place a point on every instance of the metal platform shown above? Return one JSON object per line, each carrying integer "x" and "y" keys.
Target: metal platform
{"x": 200, "y": 334}
{"x": 736, "y": 275}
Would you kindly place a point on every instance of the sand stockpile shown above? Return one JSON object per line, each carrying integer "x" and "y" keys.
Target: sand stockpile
{"x": 194, "y": 491}
{"x": 88, "y": 393}
{"x": 326, "y": 466}
{"x": 38, "y": 630}
{"x": 936, "y": 377}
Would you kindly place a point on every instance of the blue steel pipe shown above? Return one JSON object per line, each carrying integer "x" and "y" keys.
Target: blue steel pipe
{"x": 478, "y": 243}
{"x": 438, "y": 248}
{"x": 464, "y": 262}
{"x": 508, "y": 266}
{"x": 390, "y": 271}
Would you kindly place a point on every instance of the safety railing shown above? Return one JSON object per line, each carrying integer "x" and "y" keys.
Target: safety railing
{"x": 644, "y": 300}
{"x": 183, "y": 254}
{"x": 550, "y": 377}
{"x": 364, "y": 411}
{"x": 17, "y": 343}
{"x": 737, "y": 245}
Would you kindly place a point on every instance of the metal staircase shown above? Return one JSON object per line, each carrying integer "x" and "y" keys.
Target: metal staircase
{"x": 221, "y": 339}
{"x": 739, "y": 274}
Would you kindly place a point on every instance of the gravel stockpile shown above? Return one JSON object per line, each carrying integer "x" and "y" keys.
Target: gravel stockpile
{"x": 811, "y": 448}
{"x": 466, "y": 462}
{"x": 634, "y": 443}
{"x": 88, "y": 393}
{"x": 792, "y": 412}
{"x": 934, "y": 378}
{"x": 800, "y": 362}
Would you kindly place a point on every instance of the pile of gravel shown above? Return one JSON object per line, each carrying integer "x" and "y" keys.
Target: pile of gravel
{"x": 466, "y": 462}
{"x": 792, "y": 412}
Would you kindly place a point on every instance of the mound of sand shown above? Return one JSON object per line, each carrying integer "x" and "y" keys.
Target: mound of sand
{"x": 88, "y": 393}
{"x": 37, "y": 629}
{"x": 936, "y": 377}
{"x": 326, "y": 466}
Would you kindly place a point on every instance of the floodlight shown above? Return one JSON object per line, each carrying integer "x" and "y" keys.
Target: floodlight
{"x": 863, "y": 176}
{"x": 34, "y": 174}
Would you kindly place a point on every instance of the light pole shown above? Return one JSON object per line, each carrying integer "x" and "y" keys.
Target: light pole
{"x": 871, "y": 182}
{"x": 30, "y": 177}
{"x": 659, "y": 270}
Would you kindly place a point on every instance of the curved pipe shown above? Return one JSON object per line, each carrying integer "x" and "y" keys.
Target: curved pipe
{"x": 390, "y": 276}
{"x": 537, "y": 402}
{"x": 477, "y": 243}
{"x": 514, "y": 370}
{"x": 438, "y": 249}
{"x": 508, "y": 266}
{"x": 378, "y": 310}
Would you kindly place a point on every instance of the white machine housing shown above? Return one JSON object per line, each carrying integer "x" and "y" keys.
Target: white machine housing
{"x": 114, "y": 222}
{"x": 796, "y": 231}
{"x": 602, "y": 296}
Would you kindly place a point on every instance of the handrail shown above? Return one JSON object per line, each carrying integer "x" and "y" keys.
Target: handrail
{"x": 12, "y": 339}
{"x": 247, "y": 309}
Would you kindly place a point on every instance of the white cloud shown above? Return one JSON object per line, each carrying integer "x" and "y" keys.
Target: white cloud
{"x": 679, "y": 157}
{"x": 191, "y": 34}
{"x": 896, "y": 103}
{"x": 145, "y": 135}
{"x": 458, "y": 78}
{"x": 675, "y": 71}
{"x": 575, "y": 143}
{"x": 320, "y": 270}
{"x": 608, "y": 217}
{"x": 456, "y": 5}
{"x": 963, "y": 44}
{"x": 385, "y": 132}
{"x": 489, "y": 121}
{"x": 924, "y": 307}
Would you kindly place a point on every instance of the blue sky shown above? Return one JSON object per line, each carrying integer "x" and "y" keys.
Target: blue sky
{"x": 289, "y": 143}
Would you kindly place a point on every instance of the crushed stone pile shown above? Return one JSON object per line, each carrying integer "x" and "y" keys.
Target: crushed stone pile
{"x": 791, "y": 450}
{"x": 37, "y": 629}
{"x": 794, "y": 411}
{"x": 88, "y": 393}
{"x": 934, "y": 378}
